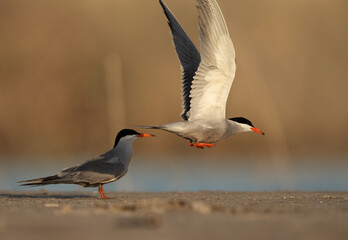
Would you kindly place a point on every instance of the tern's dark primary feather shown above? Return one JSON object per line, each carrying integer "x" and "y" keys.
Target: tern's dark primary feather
{"x": 188, "y": 55}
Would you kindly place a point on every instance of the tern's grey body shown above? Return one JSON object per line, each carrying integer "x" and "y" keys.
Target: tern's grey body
{"x": 106, "y": 168}
{"x": 207, "y": 78}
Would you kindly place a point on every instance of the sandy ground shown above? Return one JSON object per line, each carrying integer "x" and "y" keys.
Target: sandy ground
{"x": 174, "y": 215}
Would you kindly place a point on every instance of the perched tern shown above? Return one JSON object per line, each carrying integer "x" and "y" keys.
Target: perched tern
{"x": 106, "y": 168}
{"x": 206, "y": 79}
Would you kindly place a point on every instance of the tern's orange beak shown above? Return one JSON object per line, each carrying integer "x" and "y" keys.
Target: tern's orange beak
{"x": 257, "y": 130}
{"x": 145, "y": 135}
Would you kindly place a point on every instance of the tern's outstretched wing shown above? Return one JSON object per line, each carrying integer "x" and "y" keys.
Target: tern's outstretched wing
{"x": 188, "y": 55}
{"x": 213, "y": 80}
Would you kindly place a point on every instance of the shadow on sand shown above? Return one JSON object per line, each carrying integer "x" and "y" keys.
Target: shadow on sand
{"x": 46, "y": 195}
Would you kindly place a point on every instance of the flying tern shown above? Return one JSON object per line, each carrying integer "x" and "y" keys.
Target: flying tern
{"x": 206, "y": 79}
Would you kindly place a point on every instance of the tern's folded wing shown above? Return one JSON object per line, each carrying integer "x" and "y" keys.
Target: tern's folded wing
{"x": 95, "y": 171}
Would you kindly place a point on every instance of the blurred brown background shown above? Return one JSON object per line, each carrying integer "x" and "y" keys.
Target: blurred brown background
{"x": 75, "y": 72}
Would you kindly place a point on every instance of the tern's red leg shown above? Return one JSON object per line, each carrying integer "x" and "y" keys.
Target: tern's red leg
{"x": 201, "y": 145}
{"x": 101, "y": 191}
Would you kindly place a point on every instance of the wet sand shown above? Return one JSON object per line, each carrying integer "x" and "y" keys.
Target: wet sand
{"x": 174, "y": 215}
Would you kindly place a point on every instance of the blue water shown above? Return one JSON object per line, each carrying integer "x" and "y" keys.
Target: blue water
{"x": 194, "y": 175}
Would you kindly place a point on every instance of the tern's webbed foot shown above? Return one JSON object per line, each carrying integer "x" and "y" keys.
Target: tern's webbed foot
{"x": 201, "y": 145}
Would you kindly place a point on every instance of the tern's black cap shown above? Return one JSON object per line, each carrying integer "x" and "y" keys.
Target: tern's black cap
{"x": 242, "y": 120}
{"x": 124, "y": 132}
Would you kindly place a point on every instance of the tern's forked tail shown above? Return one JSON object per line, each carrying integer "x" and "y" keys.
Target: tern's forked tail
{"x": 41, "y": 181}
{"x": 151, "y": 127}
